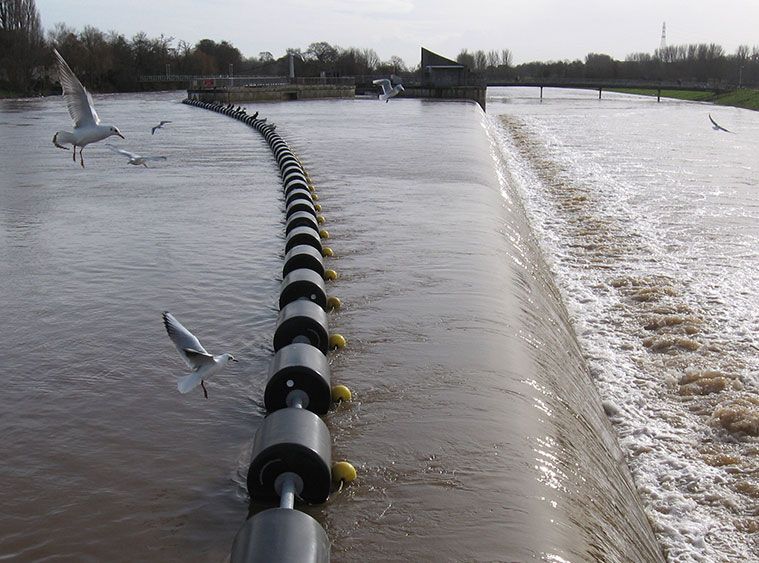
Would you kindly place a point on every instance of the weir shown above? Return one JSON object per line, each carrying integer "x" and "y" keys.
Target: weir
{"x": 483, "y": 433}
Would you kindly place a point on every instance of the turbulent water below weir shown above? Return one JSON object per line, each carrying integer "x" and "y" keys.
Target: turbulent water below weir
{"x": 650, "y": 221}
{"x": 477, "y": 429}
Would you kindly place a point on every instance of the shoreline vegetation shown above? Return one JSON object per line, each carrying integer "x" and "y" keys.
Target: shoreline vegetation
{"x": 746, "y": 98}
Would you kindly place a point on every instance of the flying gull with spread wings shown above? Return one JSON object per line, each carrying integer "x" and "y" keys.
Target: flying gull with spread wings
{"x": 388, "y": 90}
{"x": 87, "y": 126}
{"x": 202, "y": 364}
{"x": 717, "y": 126}
{"x": 159, "y": 126}
{"x": 134, "y": 158}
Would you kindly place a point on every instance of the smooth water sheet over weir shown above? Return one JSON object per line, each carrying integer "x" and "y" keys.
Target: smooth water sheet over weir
{"x": 482, "y": 434}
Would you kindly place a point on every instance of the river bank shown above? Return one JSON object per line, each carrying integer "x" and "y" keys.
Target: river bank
{"x": 8, "y": 93}
{"x": 746, "y": 98}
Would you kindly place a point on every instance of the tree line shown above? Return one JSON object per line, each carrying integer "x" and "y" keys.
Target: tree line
{"x": 702, "y": 62}
{"x": 112, "y": 62}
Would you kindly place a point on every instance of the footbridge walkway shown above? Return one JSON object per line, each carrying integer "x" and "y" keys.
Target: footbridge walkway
{"x": 602, "y": 84}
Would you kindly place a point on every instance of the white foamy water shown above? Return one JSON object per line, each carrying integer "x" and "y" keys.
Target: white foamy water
{"x": 649, "y": 220}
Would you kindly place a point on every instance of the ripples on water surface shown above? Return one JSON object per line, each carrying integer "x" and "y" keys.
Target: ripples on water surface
{"x": 473, "y": 424}
{"x": 100, "y": 452}
{"x": 650, "y": 220}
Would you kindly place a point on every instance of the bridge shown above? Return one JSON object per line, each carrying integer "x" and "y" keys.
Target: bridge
{"x": 602, "y": 84}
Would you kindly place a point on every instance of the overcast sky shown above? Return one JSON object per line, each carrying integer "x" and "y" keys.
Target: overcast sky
{"x": 532, "y": 29}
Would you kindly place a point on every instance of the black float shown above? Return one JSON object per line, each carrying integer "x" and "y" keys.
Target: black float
{"x": 303, "y": 256}
{"x": 281, "y": 535}
{"x": 303, "y": 284}
{"x": 300, "y": 205}
{"x": 299, "y": 367}
{"x": 302, "y": 235}
{"x": 302, "y": 321}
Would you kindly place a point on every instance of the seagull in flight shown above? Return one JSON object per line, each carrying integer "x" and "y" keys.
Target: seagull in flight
{"x": 716, "y": 126}
{"x": 202, "y": 364}
{"x": 159, "y": 126}
{"x": 134, "y": 158}
{"x": 87, "y": 126}
{"x": 388, "y": 90}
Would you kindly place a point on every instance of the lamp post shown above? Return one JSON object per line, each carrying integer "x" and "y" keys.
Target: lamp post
{"x": 231, "y": 82}
{"x": 740, "y": 77}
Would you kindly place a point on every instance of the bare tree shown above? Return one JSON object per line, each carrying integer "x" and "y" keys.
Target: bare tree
{"x": 398, "y": 64}
{"x": 480, "y": 60}
{"x": 372, "y": 59}
{"x": 21, "y": 43}
{"x": 494, "y": 59}
{"x": 465, "y": 58}
{"x": 743, "y": 52}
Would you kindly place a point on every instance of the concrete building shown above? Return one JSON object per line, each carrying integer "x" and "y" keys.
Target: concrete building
{"x": 444, "y": 79}
{"x": 437, "y": 71}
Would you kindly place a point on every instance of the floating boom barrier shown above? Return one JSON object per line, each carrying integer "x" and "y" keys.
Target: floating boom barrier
{"x": 291, "y": 457}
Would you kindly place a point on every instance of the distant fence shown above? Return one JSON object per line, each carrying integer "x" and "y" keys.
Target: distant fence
{"x": 166, "y": 77}
{"x": 226, "y": 81}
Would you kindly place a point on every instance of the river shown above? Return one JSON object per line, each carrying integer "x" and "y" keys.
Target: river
{"x": 532, "y": 297}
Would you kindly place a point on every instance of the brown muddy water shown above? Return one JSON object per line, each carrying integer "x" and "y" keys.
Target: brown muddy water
{"x": 476, "y": 428}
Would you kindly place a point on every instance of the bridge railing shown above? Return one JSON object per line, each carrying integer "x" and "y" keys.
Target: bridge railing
{"x": 331, "y": 80}
{"x": 166, "y": 77}
{"x": 200, "y": 82}
{"x": 226, "y": 81}
{"x": 612, "y": 83}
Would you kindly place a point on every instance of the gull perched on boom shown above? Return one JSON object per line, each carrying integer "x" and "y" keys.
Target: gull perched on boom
{"x": 87, "y": 126}
{"x": 202, "y": 364}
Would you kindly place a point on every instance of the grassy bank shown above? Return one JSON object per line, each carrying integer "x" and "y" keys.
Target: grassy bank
{"x": 744, "y": 98}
